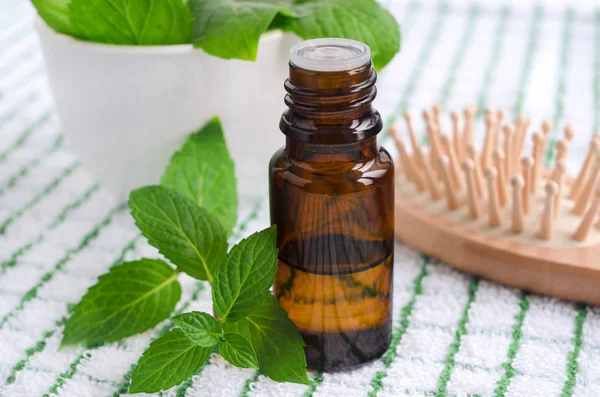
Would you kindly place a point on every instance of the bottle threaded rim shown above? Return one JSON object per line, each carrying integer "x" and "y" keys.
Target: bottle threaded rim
{"x": 330, "y": 54}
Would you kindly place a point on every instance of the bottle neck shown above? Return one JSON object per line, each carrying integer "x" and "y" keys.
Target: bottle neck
{"x": 331, "y": 107}
{"x": 356, "y": 152}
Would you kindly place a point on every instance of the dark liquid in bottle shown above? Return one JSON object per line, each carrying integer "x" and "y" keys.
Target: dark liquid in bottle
{"x": 332, "y": 199}
{"x": 344, "y": 316}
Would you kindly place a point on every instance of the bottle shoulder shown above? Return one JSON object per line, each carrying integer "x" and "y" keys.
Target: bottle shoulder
{"x": 360, "y": 174}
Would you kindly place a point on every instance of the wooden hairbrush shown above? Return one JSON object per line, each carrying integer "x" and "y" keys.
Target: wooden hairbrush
{"x": 496, "y": 213}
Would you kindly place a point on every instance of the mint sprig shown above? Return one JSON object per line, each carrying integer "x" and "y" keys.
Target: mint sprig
{"x": 278, "y": 344}
{"x": 251, "y": 329}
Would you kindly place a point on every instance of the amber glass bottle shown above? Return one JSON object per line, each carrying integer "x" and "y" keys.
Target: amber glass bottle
{"x": 332, "y": 199}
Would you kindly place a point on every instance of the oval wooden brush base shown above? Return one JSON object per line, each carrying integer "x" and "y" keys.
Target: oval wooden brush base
{"x": 497, "y": 213}
{"x": 571, "y": 272}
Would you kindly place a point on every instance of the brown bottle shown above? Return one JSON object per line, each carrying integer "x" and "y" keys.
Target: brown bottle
{"x": 332, "y": 199}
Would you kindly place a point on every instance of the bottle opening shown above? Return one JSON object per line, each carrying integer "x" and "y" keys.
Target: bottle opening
{"x": 330, "y": 55}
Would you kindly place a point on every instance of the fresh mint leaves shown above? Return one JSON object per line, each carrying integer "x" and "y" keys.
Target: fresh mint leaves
{"x": 201, "y": 328}
{"x": 130, "y": 299}
{"x": 223, "y": 28}
{"x": 183, "y": 218}
{"x": 169, "y": 360}
{"x": 231, "y": 28}
{"x": 278, "y": 345}
{"x": 203, "y": 171}
{"x": 242, "y": 283}
{"x": 184, "y": 233}
{"x": 132, "y": 22}
{"x": 238, "y": 351}
{"x": 56, "y": 14}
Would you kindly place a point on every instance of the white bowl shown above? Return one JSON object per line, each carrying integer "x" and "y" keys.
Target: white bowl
{"x": 126, "y": 109}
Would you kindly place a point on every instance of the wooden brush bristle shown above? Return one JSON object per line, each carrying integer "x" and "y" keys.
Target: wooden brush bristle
{"x": 516, "y": 191}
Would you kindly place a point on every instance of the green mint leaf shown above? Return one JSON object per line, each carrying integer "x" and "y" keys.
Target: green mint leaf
{"x": 187, "y": 235}
{"x": 201, "y": 328}
{"x": 169, "y": 360}
{"x": 243, "y": 281}
{"x": 56, "y": 14}
{"x": 130, "y": 299}
{"x": 282, "y": 21}
{"x": 132, "y": 22}
{"x": 232, "y": 28}
{"x": 204, "y": 172}
{"x": 362, "y": 20}
{"x": 276, "y": 340}
{"x": 238, "y": 351}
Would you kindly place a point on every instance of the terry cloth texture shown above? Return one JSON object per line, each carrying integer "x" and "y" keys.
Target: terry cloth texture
{"x": 453, "y": 335}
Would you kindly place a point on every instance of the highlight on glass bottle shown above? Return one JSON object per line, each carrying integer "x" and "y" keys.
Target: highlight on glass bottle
{"x": 332, "y": 199}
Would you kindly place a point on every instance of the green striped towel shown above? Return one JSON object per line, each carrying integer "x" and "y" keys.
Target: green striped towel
{"x": 454, "y": 335}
